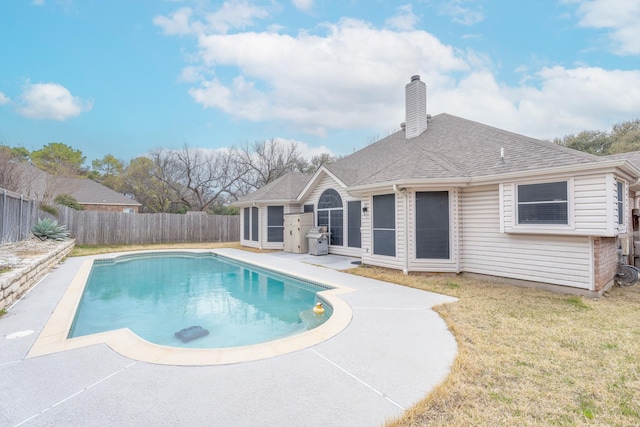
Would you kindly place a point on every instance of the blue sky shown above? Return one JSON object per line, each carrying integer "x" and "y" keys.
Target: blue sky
{"x": 124, "y": 77}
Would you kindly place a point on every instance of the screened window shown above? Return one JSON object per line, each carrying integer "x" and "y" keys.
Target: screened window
{"x": 620, "y": 202}
{"x": 543, "y": 203}
{"x": 384, "y": 224}
{"x": 330, "y": 215}
{"x": 432, "y": 225}
{"x": 247, "y": 223}
{"x": 354, "y": 221}
{"x": 275, "y": 223}
{"x": 254, "y": 224}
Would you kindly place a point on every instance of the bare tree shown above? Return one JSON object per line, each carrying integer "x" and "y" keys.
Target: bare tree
{"x": 265, "y": 161}
{"x": 10, "y": 170}
{"x": 200, "y": 177}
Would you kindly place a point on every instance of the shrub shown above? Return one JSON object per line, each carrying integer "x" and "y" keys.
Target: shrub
{"x": 69, "y": 201}
{"x": 49, "y": 209}
{"x": 50, "y": 229}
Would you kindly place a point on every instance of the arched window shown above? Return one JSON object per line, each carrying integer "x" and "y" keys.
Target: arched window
{"x": 330, "y": 214}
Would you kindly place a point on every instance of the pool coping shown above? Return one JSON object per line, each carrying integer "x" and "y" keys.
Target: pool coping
{"x": 53, "y": 337}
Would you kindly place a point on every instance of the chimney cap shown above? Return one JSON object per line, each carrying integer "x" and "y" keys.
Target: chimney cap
{"x": 415, "y": 77}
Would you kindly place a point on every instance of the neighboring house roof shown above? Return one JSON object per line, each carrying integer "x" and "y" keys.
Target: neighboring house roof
{"x": 284, "y": 189}
{"x": 35, "y": 183}
{"x": 89, "y": 192}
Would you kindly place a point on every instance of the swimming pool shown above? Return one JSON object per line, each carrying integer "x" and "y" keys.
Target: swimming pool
{"x": 54, "y": 337}
{"x": 161, "y": 296}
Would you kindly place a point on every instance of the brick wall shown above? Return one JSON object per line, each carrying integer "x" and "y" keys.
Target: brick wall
{"x": 15, "y": 283}
{"x": 605, "y": 260}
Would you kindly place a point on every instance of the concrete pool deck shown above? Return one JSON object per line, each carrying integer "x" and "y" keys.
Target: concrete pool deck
{"x": 394, "y": 350}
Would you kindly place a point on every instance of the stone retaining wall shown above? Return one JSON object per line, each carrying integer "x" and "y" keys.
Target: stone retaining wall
{"x": 14, "y": 283}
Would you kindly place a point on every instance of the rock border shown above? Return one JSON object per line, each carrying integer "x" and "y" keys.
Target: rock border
{"x": 15, "y": 283}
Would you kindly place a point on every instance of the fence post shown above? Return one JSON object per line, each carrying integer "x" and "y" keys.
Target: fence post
{"x": 4, "y": 214}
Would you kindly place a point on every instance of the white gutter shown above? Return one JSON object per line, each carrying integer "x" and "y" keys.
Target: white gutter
{"x": 405, "y": 268}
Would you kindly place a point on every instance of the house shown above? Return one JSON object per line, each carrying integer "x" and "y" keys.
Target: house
{"x": 91, "y": 195}
{"x": 447, "y": 194}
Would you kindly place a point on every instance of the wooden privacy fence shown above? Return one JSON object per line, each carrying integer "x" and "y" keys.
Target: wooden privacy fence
{"x": 116, "y": 228}
{"x": 18, "y": 215}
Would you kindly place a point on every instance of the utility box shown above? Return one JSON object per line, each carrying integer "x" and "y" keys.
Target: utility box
{"x": 296, "y": 227}
{"x": 318, "y": 241}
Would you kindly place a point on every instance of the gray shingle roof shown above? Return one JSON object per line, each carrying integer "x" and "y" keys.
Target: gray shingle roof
{"x": 36, "y": 182}
{"x": 287, "y": 187}
{"x": 453, "y": 147}
{"x": 87, "y": 191}
{"x": 633, "y": 157}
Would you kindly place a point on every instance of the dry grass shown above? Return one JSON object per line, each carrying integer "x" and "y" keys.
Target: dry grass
{"x": 530, "y": 358}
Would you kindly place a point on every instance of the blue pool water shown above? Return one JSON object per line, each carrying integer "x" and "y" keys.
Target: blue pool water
{"x": 156, "y": 295}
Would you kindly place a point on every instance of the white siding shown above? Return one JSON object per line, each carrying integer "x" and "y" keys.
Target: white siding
{"x": 560, "y": 260}
{"x": 590, "y": 205}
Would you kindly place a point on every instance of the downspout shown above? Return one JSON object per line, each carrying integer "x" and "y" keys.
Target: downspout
{"x": 403, "y": 192}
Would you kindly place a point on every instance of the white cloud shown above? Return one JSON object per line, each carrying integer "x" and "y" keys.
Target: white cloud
{"x": 50, "y": 101}
{"x": 38, "y": 2}
{"x": 620, "y": 17}
{"x": 461, "y": 13}
{"x": 233, "y": 14}
{"x": 303, "y": 5}
{"x": 4, "y": 99}
{"x": 405, "y": 20}
{"x": 560, "y": 100}
{"x": 305, "y": 149}
{"x": 178, "y": 23}
{"x": 314, "y": 81}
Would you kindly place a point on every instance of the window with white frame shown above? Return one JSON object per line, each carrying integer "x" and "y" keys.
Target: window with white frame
{"x": 544, "y": 203}
{"x": 275, "y": 223}
{"x": 620, "y": 202}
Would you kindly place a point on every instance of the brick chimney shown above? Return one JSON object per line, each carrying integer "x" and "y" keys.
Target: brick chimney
{"x": 416, "y": 107}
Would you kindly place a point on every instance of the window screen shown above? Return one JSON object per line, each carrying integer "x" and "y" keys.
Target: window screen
{"x": 275, "y": 223}
{"x": 330, "y": 199}
{"x": 354, "y": 222}
{"x": 336, "y": 227}
{"x": 384, "y": 225}
{"x": 620, "y": 202}
{"x": 247, "y": 223}
{"x": 308, "y": 208}
{"x": 254, "y": 224}
{"x": 330, "y": 214}
{"x": 432, "y": 225}
{"x": 543, "y": 203}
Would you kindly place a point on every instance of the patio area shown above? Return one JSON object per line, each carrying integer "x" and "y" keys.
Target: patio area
{"x": 392, "y": 353}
